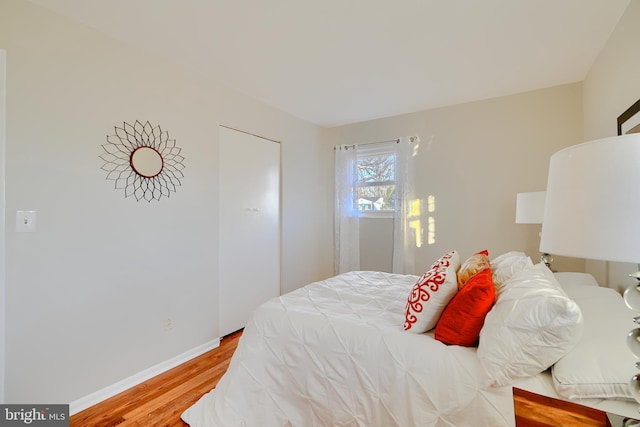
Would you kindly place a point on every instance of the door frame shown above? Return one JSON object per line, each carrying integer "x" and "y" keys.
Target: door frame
{"x": 3, "y": 269}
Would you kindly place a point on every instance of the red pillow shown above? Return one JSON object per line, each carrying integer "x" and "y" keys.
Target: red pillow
{"x": 462, "y": 319}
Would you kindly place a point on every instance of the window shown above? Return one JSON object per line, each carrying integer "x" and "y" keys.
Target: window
{"x": 376, "y": 180}
{"x": 373, "y": 180}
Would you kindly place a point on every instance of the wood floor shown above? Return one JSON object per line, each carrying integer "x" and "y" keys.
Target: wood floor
{"x": 160, "y": 400}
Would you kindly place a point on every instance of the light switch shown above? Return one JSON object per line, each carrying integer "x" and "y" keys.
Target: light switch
{"x": 25, "y": 221}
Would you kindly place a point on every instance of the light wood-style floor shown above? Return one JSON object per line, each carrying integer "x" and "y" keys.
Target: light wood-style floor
{"x": 160, "y": 400}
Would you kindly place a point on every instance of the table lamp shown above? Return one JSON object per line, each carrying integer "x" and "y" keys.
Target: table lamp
{"x": 592, "y": 210}
{"x": 530, "y": 210}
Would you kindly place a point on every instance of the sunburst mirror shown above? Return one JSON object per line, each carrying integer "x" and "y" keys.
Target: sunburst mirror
{"x": 142, "y": 160}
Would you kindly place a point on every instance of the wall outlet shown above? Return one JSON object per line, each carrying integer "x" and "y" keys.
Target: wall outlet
{"x": 168, "y": 324}
{"x": 26, "y": 221}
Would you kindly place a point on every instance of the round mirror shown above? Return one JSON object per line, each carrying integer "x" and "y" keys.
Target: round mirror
{"x": 146, "y": 161}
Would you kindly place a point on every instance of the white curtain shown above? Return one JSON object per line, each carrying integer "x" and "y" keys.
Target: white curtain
{"x": 346, "y": 221}
{"x": 404, "y": 238}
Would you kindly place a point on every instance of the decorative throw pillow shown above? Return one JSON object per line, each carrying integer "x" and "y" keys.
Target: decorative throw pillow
{"x": 531, "y": 326}
{"x": 508, "y": 264}
{"x": 462, "y": 319}
{"x": 431, "y": 294}
{"x": 474, "y": 264}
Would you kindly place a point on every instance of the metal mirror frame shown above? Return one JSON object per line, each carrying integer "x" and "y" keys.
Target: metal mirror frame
{"x": 156, "y": 170}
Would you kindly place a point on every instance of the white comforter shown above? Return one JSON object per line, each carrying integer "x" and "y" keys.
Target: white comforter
{"x": 334, "y": 354}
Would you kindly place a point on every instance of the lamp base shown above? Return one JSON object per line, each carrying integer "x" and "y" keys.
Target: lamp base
{"x": 620, "y": 421}
{"x": 547, "y": 259}
{"x": 631, "y": 298}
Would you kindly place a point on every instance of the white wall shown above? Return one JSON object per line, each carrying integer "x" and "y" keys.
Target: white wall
{"x": 611, "y": 86}
{"x": 376, "y": 244}
{"x": 89, "y": 291}
{"x": 474, "y": 158}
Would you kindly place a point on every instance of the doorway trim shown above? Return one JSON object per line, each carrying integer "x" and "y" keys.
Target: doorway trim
{"x": 3, "y": 257}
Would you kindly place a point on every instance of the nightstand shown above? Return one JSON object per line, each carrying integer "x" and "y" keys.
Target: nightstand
{"x": 535, "y": 410}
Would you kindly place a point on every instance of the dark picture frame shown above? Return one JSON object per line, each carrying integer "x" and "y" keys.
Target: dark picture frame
{"x": 631, "y": 117}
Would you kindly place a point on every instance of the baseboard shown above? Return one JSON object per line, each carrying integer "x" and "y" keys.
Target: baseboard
{"x": 110, "y": 391}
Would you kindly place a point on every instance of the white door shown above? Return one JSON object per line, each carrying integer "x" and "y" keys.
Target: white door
{"x": 249, "y": 228}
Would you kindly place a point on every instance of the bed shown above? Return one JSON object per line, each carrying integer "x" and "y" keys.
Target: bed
{"x": 338, "y": 353}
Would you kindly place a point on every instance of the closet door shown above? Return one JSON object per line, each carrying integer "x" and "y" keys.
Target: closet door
{"x": 249, "y": 227}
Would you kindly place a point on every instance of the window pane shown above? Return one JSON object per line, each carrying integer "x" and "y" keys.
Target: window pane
{"x": 376, "y": 168}
{"x": 376, "y": 182}
{"x": 376, "y": 198}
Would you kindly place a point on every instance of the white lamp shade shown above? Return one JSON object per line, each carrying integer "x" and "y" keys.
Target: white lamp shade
{"x": 530, "y": 207}
{"x": 592, "y": 207}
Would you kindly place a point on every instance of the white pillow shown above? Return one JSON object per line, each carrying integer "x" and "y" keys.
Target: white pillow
{"x": 531, "y": 326}
{"x": 573, "y": 278}
{"x": 431, "y": 294}
{"x": 601, "y": 365}
{"x": 503, "y": 267}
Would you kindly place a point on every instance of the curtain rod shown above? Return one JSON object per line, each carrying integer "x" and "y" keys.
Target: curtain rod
{"x": 413, "y": 138}
{"x": 397, "y": 141}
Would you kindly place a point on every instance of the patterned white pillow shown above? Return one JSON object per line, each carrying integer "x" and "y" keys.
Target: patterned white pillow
{"x": 431, "y": 294}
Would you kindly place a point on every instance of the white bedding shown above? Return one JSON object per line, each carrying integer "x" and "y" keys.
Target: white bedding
{"x": 334, "y": 353}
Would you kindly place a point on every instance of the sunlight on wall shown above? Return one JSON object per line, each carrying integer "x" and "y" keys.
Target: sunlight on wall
{"x": 414, "y": 221}
{"x": 431, "y": 221}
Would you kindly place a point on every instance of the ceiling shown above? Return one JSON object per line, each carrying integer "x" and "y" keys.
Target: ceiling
{"x": 334, "y": 62}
